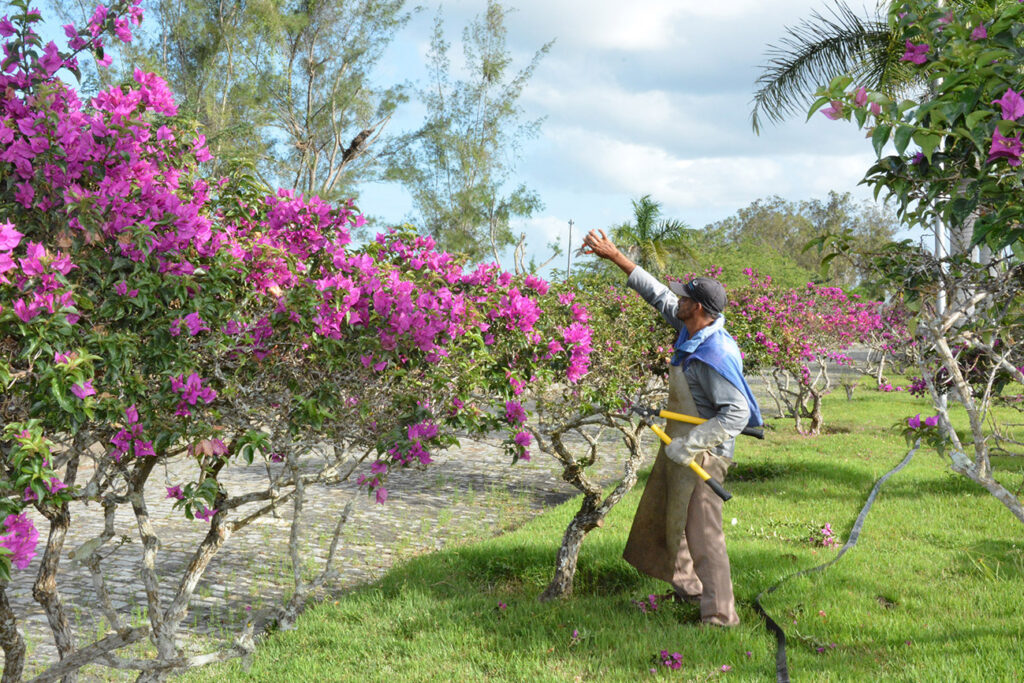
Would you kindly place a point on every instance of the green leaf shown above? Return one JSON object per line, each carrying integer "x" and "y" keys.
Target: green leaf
{"x": 839, "y": 84}
{"x": 928, "y": 142}
{"x": 902, "y": 137}
{"x": 973, "y": 118}
{"x": 989, "y": 56}
{"x": 879, "y": 137}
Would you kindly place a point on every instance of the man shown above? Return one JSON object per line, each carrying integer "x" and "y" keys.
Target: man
{"x": 677, "y": 531}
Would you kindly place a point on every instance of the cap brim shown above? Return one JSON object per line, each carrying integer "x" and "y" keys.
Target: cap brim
{"x": 678, "y": 288}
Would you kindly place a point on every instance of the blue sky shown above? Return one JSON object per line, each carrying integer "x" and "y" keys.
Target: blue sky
{"x": 642, "y": 97}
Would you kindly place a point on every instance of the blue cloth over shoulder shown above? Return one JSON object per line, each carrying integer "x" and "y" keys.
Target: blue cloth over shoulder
{"x": 716, "y": 347}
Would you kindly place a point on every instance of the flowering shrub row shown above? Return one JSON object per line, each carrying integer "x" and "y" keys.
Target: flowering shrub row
{"x": 148, "y": 312}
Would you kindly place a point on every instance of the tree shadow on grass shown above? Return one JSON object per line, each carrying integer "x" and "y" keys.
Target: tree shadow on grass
{"x": 763, "y": 470}
{"x": 991, "y": 561}
{"x": 803, "y": 480}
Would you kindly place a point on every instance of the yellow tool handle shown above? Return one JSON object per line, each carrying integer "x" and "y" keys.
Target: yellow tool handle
{"x": 666, "y": 439}
{"x": 679, "y": 417}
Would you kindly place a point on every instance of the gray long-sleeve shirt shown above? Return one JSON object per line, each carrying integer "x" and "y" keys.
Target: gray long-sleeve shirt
{"x": 716, "y": 398}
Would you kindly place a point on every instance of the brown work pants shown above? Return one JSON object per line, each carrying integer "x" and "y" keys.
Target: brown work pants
{"x": 677, "y": 532}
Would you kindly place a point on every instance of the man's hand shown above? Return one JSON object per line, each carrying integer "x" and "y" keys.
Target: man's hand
{"x": 596, "y": 242}
{"x": 677, "y": 452}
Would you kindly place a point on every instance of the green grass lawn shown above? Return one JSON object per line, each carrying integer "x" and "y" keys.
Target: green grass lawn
{"x": 932, "y": 592}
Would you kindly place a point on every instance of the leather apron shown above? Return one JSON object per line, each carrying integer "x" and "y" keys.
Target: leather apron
{"x": 656, "y": 544}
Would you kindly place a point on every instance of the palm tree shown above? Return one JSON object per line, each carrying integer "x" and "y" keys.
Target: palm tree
{"x": 650, "y": 242}
{"x": 823, "y": 47}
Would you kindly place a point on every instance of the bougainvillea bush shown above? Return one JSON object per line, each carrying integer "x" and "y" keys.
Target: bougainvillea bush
{"x": 791, "y": 336}
{"x": 577, "y": 423}
{"x": 148, "y": 312}
{"x": 955, "y": 169}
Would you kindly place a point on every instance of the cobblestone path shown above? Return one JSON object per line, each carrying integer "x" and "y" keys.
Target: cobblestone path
{"x": 468, "y": 492}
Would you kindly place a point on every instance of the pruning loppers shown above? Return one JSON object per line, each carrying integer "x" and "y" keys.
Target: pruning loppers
{"x": 647, "y": 415}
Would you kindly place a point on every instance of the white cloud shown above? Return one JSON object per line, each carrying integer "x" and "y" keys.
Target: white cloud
{"x": 704, "y": 182}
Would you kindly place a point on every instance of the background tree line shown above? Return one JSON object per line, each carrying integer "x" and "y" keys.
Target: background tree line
{"x": 770, "y": 235}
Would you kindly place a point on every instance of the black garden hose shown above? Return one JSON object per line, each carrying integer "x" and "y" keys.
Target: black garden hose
{"x": 781, "y": 666}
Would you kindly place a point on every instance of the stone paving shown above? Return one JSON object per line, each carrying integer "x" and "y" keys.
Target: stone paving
{"x": 468, "y": 492}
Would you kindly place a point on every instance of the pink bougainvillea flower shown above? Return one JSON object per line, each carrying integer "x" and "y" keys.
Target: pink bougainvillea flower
{"x": 914, "y": 422}
{"x": 916, "y": 53}
{"x": 1012, "y": 105}
{"x": 25, "y": 194}
{"x": 195, "y": 324}
{"x": 382, "y": 495}
{"x": 143, "y": 449}
{"x": 834, "y": 111}
{"x": 51, "y": 60}
{"x": 175, "y": 492}
{"x": 206, "y": 514}
{"x": 83, "y": 389}
{"x": 55, "y": 485}
{"x": 514, "y": 412}
{"x": 932, "y": 421}
{"x": 861, "y": 97}
{"x": 29, "y": 495}
{"x": 979, "y": 32}
{"x": 1005, "y": 148}
{"x": 121, "y": 441}
{"x": 20, "y": 539}
{"x": 9, "y": 237}
{"x": 538, "y": 284}
{"x": 6, "y": 27}
{"x": 123, "y": 31}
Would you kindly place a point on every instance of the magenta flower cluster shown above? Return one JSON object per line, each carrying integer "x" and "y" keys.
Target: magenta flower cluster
{"x": 825, "y": 537}
{"x": 20, "y": 539}
{"x": 794, "y": 328}
{"x": 673, "y": 661}
{"x": 916, "y": 422}
{"x": 648, "y": 604}
{"x": 130, "y": 440}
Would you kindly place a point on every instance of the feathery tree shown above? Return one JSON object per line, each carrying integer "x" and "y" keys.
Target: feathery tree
{"x": 457, "y": 166}
{"x": 283, "y": 88}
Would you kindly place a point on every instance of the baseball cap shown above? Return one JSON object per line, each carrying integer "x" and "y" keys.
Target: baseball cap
{"x": 709, "y": 293}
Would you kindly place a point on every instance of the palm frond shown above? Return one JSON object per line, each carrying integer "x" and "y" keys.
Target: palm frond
{"x": 645, "y": 213}
{"x": 821, "y": 48}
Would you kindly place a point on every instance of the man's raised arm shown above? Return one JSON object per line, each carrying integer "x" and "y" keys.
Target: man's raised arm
{"x": 643, "y": 283}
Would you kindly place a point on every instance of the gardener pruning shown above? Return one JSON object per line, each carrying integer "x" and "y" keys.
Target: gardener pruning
{"x": 677, "y": 531}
